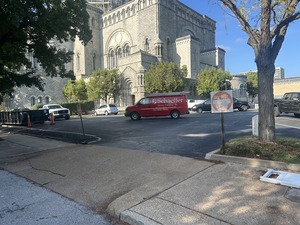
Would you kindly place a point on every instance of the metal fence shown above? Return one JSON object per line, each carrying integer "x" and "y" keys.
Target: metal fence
{"x": 22, "y": 117}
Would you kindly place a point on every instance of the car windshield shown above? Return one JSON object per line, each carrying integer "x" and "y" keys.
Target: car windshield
{"x": 54, "y": 107}
{"x": 112, "y": 105}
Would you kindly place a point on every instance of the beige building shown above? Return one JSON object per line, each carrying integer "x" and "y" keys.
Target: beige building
{"x": 239, "y": 86}
{"x": 282, "y": 86}
{"x": 132, "y": 35}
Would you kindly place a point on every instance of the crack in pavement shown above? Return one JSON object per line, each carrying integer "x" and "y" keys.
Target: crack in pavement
{"x": 43, "y": 170}
{"x": 15, "y": 208}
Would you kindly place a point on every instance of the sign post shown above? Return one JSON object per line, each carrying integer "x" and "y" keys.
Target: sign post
{"x": 79, "y": 111}
{"x": 222, "y": 102}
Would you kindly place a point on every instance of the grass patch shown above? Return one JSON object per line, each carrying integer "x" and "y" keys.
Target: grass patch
{"x": 284, "y": 149}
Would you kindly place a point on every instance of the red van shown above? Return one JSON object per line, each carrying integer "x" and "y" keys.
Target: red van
{"x": 173, "y": 104}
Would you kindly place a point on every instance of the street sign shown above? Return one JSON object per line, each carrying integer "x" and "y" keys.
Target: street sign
{"x": 79, "y": 111}
{"x": 221, "y": 101}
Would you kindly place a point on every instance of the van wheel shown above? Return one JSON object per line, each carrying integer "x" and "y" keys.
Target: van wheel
{"x": 135, "y": 116}
{"x": 175, "y": 114}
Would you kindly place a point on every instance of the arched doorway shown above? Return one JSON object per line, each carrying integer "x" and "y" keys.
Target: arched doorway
{"x": 126, "y": 95}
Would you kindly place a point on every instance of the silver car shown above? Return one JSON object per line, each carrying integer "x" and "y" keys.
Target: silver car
{"x": 107, "y": 109}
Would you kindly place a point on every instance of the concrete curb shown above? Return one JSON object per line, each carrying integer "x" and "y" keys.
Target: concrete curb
{"x": 97, "y": 139}
{"x": 134, "y": 218}
{"x": 252, "y": 162}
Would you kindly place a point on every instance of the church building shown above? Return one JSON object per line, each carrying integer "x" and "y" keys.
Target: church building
{"x": 130, "y": 36}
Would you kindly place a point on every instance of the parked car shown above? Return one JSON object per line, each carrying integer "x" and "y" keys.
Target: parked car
{"x": 106, "y": 109}
{"x": 58, "y": 111}
{"x": 160, "y": 104}
{"x": 192, "y": 102}
{"x": 240, "y": 105}
{"x": 206, "y": 106}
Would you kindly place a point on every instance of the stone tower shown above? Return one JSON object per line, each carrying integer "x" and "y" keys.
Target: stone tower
{"x": 131, "y": 35}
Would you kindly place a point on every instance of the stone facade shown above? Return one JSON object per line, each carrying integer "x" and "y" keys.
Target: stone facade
{"x": 282, "y": 86}
{"x": 138, "y": 33}
{"x": 26, "y": 97}
{"x": 239, "y": 86}
{"x": 131, "y": 35}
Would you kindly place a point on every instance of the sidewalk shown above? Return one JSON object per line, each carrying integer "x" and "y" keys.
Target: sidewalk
{"x": 151, "y": 188}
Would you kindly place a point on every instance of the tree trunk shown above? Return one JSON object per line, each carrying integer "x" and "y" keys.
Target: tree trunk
{"x": 266, "y": 126}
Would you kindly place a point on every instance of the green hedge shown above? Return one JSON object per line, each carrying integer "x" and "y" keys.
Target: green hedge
{"x": 37, "y": 106}
{"x": 86, "y": 106}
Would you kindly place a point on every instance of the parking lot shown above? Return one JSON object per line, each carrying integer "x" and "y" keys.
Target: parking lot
{"x": 192, "y": 135}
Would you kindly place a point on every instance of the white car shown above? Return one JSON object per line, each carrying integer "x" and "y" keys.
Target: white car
{"x": 192, "y": 102}
{"x": 58, "y": 111}
{"x": 106, "y": 109}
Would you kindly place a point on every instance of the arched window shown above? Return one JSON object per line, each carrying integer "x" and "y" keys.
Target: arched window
{"x": 47, "y": 99}
{"x": 126, "y": 50}
{"x": 32, "y": 101}
{"x": 146, "y": 47}
{"x": 119, "y": 55}
{"x": 40, "y": 100}
{"x": 159, "y": 50}
{"x": 141, "y": 79}
{"x": 111, "y": 59}
{"x": 132, "y": 9}
{"x": 123, "y": 14}
{"x": 140, "y": 4}
{"x": 128, "y": 11}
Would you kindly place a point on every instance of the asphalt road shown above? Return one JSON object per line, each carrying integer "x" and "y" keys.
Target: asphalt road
{"x": 192, "y": 135}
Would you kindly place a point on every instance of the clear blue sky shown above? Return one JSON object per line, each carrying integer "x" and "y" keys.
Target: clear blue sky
{"x": 239, "y": 55}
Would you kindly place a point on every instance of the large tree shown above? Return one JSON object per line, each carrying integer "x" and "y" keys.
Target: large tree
{"x": 75, "y": 90}
{"x": 165, "y": 77}
{"x": 103, "y": 84}
{"x": 36, "y": 28}
{"x": 213, "y": 80}
{"x": 252, "y": 84}
{"x": 266, "y": 23}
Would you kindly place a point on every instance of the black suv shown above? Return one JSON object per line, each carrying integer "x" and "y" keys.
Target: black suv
{"x": 206, "y": 106}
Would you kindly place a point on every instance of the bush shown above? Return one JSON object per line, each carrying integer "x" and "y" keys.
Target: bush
{"x": 86, "y": 106}
{"x": 37, "y": 106}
